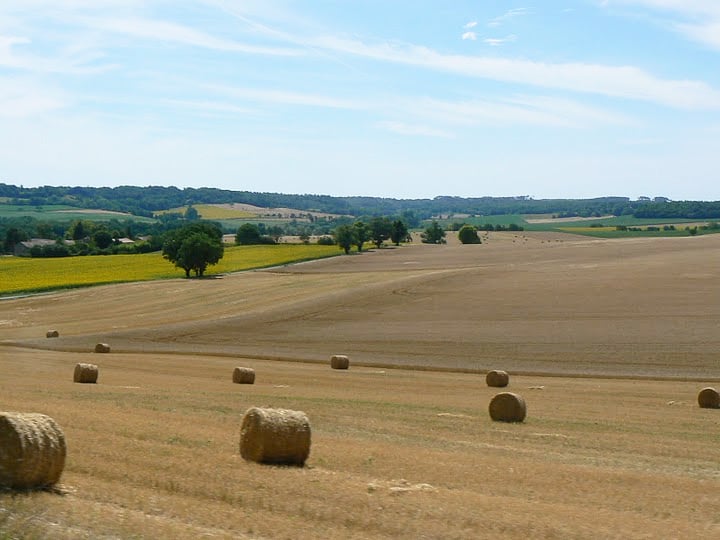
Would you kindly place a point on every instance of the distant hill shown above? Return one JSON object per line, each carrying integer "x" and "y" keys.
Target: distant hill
{"x": 147, "y": 201}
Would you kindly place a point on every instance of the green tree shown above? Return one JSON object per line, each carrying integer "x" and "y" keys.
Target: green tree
{"x": 13, "y": 236}
{"x": 434, "y": 234}
{"x": 468, "y": 235}
{"x": 344, "y": 236}
{"x": 191, "y": 214}
{"x": 380, "y": 230}
{"x": 362, "y": 234}
{"x": 248, "y": 234}
{"x": 102, "y": 238}
{"x": 399, "y": 232}
{"x": 194, "y": 247}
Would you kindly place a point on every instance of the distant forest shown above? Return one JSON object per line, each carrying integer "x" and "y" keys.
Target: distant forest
{"x": 145, "y": 201}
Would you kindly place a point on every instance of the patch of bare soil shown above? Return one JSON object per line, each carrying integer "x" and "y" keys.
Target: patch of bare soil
{"x": 571, "y": 305}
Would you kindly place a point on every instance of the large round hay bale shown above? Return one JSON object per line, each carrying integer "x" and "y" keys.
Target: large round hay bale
{"x": 32, "y": 450}
{"x": 244, "y": 375}
{"x": 507, "y": 407}
{"x": 497, "y": 378}
{"x": 85, "y": 373}
{"x": 52, "y": 334}
{"x": 278, "y": 436}
{"x": 102, "y": 348}
{"x": 339, "y": 361}
{"x": 709, "y": 398}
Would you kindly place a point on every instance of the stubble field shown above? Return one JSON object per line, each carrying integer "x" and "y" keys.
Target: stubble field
{"x": 609, "y": 342}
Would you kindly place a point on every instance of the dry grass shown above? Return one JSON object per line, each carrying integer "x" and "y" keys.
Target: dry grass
{"x": 396, "y": 453}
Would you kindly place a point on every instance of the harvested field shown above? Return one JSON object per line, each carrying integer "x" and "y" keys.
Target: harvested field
{"x": 608, "y": 342}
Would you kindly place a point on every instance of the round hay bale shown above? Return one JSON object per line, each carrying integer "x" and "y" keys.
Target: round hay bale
{"x": 52, "y": 334}
{"x": 279, "y": 436}
{"x": 507, "y": 407}
{"x": 32, "y": 450}
{"x": 102, "y": 348}
{"x": 85, "y": 373}
{"x": 709, "y": 398}
{"x": 243, "y": 375}
{"x": 339, "y": 361}
{"x": 497, "y": 378}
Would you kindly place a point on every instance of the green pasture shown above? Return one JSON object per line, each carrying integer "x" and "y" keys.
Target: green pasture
{"x": 61, "y": 212}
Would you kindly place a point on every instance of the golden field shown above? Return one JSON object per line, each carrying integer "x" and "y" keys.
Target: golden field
{"x": 608, "y": 341}
{"x": 19, "y": 274}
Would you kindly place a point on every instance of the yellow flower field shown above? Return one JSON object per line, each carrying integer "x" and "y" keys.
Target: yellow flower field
{"x": 20, "y": 274}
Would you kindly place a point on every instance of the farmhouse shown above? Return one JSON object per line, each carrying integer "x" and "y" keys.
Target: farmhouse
{"x": 22, "y": 249}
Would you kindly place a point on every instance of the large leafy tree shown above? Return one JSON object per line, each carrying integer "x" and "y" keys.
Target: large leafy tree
{"x": 344, "y": 236}
{"x": 399, "y": 232}
{"x": 434, "y": 234}
{"x": 194, "y": 247}
{"x": 248, "y": 234}
{"x": 468, "y": 235}
{"x": 362, "y": 234}
{"x": 380, "y": 230}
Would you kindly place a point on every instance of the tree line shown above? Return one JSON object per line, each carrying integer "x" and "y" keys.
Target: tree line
{"x": 144, "y": 201}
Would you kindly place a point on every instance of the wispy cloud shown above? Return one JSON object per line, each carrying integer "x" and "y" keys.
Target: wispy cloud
{"x": 23, "y": 99}
{"x": 413, "y": 129}
{"x": 495, "y": 42}
{"x": 626, "y": 82}
{"x": 511, "y": 13}
{"x": 472, "y": 36}
{"x": 280, "y": 97}
{"x": 471, "y": 24}
{"x": 177, "y": 33}
{"x": 697, "y": 20}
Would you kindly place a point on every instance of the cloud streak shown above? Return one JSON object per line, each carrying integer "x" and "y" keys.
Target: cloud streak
{"x": 625, "y": 82}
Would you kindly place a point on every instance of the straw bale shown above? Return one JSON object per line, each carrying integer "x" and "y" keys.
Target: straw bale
{"x": 243, "y": 375}
{"x": 32, "y": 450}
{"x": 52, "y": 334}
{"x": 507, "y": 407}
{"x": 709, "y": 398}
{"x": 339, "y": 361}
{"x": 102, "y": 348}
{"x": 85, "y": 373}
{"x": 279, "y": 436}
{"x": 497, "y": 378}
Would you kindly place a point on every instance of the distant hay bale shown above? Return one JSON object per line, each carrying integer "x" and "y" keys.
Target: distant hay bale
{"x": 102, "y": 348}
{"x": 278, "y": 436}
{"x": 52, "y": 334}
{"x": 85, "y": 373}
{"x": 243, "y": 375}
{"x": 32, "y": 450}
{"x": 497, "y": 378}
{"x": 339, "y": 361}
{"x": 709, "y": 398}
{"x": 507, "y": 407}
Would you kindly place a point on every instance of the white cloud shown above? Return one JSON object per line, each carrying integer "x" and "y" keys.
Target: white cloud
{"x": 471, "y": 24}
{"x": 414, "y": 130}
{"x": 285, "y": 98}
{"x": 699, "y": 19}
{"x": 495, "y": 42}
{"x": 22, "y": 99}
{"x": 472, "y": 36}
{"x": 176, "y": 33}
{"x": 626, "y": 82}
{"x": 511, "y": 13}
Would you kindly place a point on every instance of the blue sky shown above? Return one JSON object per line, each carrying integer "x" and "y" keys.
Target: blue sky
{"x": 389, "y": 98}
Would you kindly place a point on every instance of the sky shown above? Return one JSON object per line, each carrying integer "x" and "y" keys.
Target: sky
{"x": 384, "y": 98}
